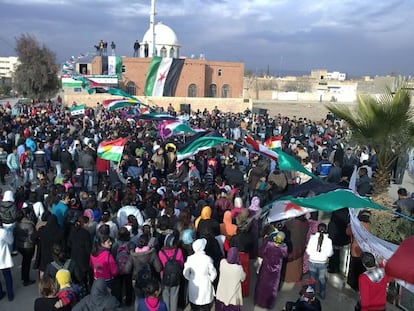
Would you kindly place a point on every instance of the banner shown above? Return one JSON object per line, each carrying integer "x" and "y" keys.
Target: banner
{"x": 370, "y": 243}
{"x": 111, "y": 65}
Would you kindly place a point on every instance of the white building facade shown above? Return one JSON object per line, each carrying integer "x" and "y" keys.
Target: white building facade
{"x": 8, "y": 66}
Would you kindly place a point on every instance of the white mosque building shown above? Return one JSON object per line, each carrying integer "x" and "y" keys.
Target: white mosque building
{"x": 159, "y": 39}
{"x": 166, "y": 42}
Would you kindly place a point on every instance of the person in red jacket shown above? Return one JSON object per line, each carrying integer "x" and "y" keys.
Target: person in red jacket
{"x": 372, "y": 285}
{"x": 102, "y": 168}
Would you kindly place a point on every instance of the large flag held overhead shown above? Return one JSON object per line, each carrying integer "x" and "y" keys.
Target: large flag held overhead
{"x": 263, "y": 150}
{"x": 78, "y": 110}
{"x": 334, "y": 200}
{"x": 155, "y": 116}
{"x": 288, "y": 163}
{"x": 285, "y": 161}
{"x": 112, "y": 149}
{"x": 169, "y": 128}
{"x": 112, "y": 104}
{"x": 200, "y": 144}
{"x": 162, "y": 76}
{"x": 286, "y": 209}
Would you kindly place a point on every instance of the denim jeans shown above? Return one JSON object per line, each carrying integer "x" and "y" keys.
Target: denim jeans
{"x": 317, "y": 272}
{"x": 15, "y": 178}
{"x": 88, "y": 180}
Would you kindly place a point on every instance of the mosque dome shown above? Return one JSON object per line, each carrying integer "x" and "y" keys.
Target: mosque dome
{"x": 166, "y": 42}
{"x": 163, "y": 35}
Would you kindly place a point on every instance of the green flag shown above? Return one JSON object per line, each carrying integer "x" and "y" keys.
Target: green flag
{"x": 334, "y": 200}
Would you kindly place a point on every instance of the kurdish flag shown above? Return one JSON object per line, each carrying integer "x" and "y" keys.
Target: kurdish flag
{"x": 112, "y": 149}
{"x": 112, "y": 104}
{"x": 285, "y": 161}
{"x": 200, "y": 144}
{"x": 77, "y": 110}
{"x": 262, "y": 149}
{"x": 162, "y": 76}
{"x": 274, "y": 142}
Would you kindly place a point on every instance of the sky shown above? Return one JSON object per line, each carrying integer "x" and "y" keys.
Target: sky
{"x": 358, "y": 37}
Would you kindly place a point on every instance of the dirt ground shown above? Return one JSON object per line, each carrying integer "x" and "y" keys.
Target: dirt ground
{"x": 311, "y": 110}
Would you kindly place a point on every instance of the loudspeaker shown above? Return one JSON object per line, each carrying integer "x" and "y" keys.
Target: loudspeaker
{"x": 186, "y": 108}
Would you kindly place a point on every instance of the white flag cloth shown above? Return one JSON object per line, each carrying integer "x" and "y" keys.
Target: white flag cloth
{"x": 372, "y": 244}
{"x": 286, "y": 209}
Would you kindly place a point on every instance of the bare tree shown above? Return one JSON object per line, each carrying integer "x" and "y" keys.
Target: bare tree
{"x": 36, "y": 75}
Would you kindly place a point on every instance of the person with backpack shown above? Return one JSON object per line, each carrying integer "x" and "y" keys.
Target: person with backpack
{"x": 61, "y": 261}
{"x": 146, "y": 264}
{"x": 123, "y": 281}
{"x": 55, "y": 157}
{"x": 172, "y": 261}
{"x": 101, "y": 260}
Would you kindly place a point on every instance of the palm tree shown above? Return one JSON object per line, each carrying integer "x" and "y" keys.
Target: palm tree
{"x": 383, "y": 122}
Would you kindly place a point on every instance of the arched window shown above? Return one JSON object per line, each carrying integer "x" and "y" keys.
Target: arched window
{"x": 219, "y": 72}
{"x": 163, "y": 52}
{"x": 212, "y": 90}
{"x": 192, "y": 90}
{"x": 225, "y": 91}
{"x": 131, "y": 88}
{"x": 172, "y": 52}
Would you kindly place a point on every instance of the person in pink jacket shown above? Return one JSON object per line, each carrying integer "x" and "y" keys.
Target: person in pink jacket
{"x": 170, "y": 288}
{"x": 101, "y": 260}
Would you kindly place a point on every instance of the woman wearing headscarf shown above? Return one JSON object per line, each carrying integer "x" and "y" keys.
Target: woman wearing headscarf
{"x": 99, "y": 299}
{"x": 297, "y": 229}
{"x": 227, "y": 228}
{"x": 46, "y": 236}
{"x": 200, "y": 273}
{"x": 255, "y": 225}
{"x": 205, "y": 223}
{"x": 272, "y": 253}
{"x": 6, "y": 261}
{"x": 80, "y": 246}
{"x": 229, "y": 292}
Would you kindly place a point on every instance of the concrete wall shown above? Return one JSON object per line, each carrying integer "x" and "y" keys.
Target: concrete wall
{"x": 223, "y": 104}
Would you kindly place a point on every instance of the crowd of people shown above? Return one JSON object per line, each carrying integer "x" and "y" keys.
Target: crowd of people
{"x": 163, "y": 233}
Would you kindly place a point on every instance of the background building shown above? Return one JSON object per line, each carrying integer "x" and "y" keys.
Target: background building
{"x": 8, "y": 66}
{"x": 199, "y": 77}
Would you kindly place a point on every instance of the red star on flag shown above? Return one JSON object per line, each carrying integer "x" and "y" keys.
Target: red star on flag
{"x": 162, "y": 76}
{"x": 292, "y": 206}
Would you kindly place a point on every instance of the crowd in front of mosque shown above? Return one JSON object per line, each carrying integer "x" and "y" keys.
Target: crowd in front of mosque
{"x": 161, "y": 233}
